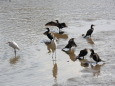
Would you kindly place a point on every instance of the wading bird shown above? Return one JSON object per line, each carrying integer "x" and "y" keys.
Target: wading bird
{"x": 90, "y": 31}
{"x": 59, "y": 25}
{"x": 49, "y": 34}
{"x": 95, "y": 56}
{"x": 82, "y": 53}
{"x": 14, "y": 45}
{"x": 70, "y": 44}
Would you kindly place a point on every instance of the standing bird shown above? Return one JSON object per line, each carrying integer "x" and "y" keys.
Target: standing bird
{"x": 82, "y": 53}
{"x": 49, "y": 34}
{"x": 90, "y": 31}
{"x": 59, "y": 25}
{"x": 70, "y": 44}
{"x": 14, "y": 45}
{"x": 95, "y": 56}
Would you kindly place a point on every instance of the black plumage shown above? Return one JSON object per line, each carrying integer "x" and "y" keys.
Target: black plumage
{"x": 71, "y": 44}
{"x": 82, "y": 53}
{"x": 90, "y": 31}
{"x": 95, "y": 56}
{"x": 59, "y": 25}
{"x": 49, "y": 35}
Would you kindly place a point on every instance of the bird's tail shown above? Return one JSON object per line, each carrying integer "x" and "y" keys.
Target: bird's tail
{"x": 85, "y": 36}
{"x": 103, "y": 61}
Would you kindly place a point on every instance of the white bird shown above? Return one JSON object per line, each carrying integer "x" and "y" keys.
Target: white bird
{"x": 14, "y": 45}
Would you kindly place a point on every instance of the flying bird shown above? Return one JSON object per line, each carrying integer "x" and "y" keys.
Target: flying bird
{"x": 90, "y": 31}
{"x": 95, "y": 56}
{"x": 82, "y": 53}
{"x": 14, "y": 45}
{"x": 59, "y": 25}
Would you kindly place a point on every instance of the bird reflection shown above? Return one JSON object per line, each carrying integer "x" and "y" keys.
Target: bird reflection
{"x": 55, "y": 71}
{"x": 89, "y": 40}
{"x": 60, "y": 36}
{"x": 71, "y": 54}
{"x": 14, "y": 60}
{"x": 96, "y": 69}
{"x": 51, "y": 46}
{"x": 84, "y": 63}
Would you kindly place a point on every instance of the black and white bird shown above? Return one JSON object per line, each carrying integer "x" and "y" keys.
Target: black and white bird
{"x": 90, "y": 31}
{"x": 71, "y": 43}
{"x": 49, "y": 34}
{"x": 59, "y": 25}
{"x": 95, "y": 56}
{"x": 14, "y": 45}
{"x": 82, "y": 53}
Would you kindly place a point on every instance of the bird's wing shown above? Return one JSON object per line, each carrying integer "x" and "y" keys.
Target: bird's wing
{"x": 51, "y": 24}
{"x": 63, "y": 25}
{"x": 97, "y": 55}
{"x": 74, "y": 44}
{"x": 15, "y": 45}
{"x": 89, "y": 31}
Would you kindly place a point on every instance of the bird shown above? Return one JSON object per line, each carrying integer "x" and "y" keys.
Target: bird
{"x": 70, "y": 44}
{"x": 14, "y": 45}
{"x": 59, "y": 25}
{"x": 95, "y": 56}
{"x": 82, "y": 53}
{"x": 90, "y": 31}
{"x": 49, "y": 34}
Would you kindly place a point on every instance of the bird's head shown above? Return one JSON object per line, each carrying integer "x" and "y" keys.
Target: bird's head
{"x": 57, "y": 21}
{"x": 47, "y": 29}
{"x": 45, "y": 33}
{"x": 92, "y": 50}
{"x": 86, "y": 49}
{"x": 72, "y": 39}
{"x": 8, "y": 42}
{"x": 92, "y": 25}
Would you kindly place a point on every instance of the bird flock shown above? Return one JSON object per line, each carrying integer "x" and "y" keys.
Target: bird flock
{"x": 69, "y": 46}
{"x": 71, "y": 43}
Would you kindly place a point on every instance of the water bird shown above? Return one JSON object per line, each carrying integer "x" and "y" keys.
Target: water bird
{"x": 95, "y": 56}
{"x": 59, "y": 25}
{"x": 14, "y": 45}
{"x": 49, "y": 34}
{"x": 51, "y": 45}
{"x": 71, "y": 43}
{"x": 90, "y": 31}
{"x": 82, "y": 53}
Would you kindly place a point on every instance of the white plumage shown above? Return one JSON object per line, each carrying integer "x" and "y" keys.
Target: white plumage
{"x": 13, "y": 45}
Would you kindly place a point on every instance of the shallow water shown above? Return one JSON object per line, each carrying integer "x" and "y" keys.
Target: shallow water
{"x": 24, "y": 22}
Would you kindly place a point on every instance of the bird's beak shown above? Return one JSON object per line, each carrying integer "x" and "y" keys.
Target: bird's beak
{"x": 7, "y": 43}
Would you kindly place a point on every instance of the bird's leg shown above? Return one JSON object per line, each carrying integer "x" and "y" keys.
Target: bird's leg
{"x": 59, "y": 30}
{"x": 15, "y": 52}
{"x": 52, "y": 56}
{"x": 96, "y": 63}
